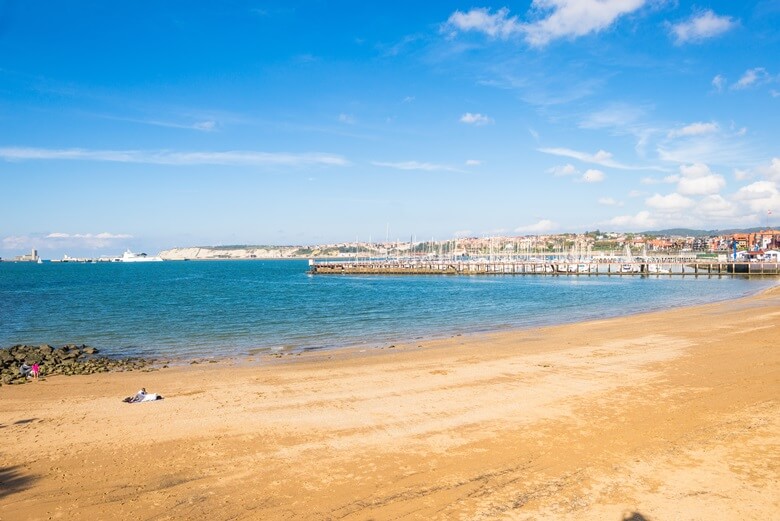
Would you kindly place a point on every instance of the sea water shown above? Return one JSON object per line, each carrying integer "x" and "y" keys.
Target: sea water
{"x": 228, "y": 308}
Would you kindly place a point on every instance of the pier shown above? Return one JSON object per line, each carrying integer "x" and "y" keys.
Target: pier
{"x": 594, "y": 267}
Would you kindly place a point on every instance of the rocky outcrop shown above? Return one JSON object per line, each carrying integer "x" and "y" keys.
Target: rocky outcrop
{"x": 70, "y": 359}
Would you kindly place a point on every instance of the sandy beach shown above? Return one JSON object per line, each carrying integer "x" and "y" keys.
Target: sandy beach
{"x": 670, "y": 415}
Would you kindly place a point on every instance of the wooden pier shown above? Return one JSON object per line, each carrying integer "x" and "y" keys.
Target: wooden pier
{"x": 554, "y": 267}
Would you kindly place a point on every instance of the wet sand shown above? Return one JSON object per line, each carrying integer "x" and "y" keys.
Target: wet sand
{"x": 670, "y": 415}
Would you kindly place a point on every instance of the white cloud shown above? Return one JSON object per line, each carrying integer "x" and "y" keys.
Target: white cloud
{"x": 742, "y": 175}
{"x": 771, "y": 172}
{"x": 608, "y": 201}
{"x": 673, "y": 202}
{"x": 714, "y": 207}
{"x": 88, "y": 236}
{"x": 498, "y": 25}
{"x": 593, "y": 176}
{"x": 590, "y": 176}
{"x": 752, "y": 77}
{"x": 415, "y": 165}
{"x": 554, "y": 19}
{"x": 560, "y": 171}
{"x": 757, "y": 190}
{"x": 760, "y": 196}
{"x": 63, "y": 240}
{"x": 719, "y": 82}
{"x": 542, "y": 226}
{"x": 573, "y": 18}
{"x": 698, "y": 179}
{"x": 701, "y": 26}
{"x": 18, "y": 242}
{"x": 167, "y": 157}
{"x": 694, "y": 129}
{"x": 473, "y": 162}
{"x": 462, "y": 233}
{"x": 636, "y": 193}
{"x": 642, "y": 220}
{"x": 475, "y": 119}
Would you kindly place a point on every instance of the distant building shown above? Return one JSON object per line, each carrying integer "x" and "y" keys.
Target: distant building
{"x": 30, "y": 257}
{"x": 763, "y": 240}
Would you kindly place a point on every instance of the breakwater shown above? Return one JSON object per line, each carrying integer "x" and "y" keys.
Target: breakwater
{"x": 515, "y": 267}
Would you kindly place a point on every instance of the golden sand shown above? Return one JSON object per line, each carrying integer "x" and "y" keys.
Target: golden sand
{"x": 660, "y": 416}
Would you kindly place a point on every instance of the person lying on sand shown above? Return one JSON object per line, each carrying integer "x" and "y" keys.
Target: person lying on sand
{"x": 143, "y": 396}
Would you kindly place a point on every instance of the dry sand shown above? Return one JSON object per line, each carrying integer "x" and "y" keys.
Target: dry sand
{"x": 661, "y": 416}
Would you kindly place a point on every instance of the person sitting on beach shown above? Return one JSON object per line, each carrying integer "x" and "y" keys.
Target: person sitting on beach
{"x": 35, "y": 370}
{"x": 143, "y": 396}
{"x": 25, "y": 370}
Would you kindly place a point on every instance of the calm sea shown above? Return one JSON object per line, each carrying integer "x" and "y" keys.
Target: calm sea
{"x": 226, "y": 308}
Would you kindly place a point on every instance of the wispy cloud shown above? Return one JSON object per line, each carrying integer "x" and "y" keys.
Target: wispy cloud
{"x": 167, "y": 157}
{"x": 694, "y": 129}
{"x": 601, "y": 157}
{"x": 701, "y": 26}
{"x": 473, "y": 162}
{"x": 348, "y": 119}
{"x": 751, "y": 78}
{"x": 719, "y": 82}
{"x": 207, "y": 124}
{"x": 619, "y": 116}
{"x": 714, "y": 148}
{"x": 475, "y": 119}
{"x": 416, "y": 165}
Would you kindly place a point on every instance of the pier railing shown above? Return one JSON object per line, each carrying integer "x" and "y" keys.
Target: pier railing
{"x": 538, "y": 267}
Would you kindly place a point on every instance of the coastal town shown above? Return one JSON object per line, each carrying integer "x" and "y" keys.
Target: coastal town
{"x": 754, "y": 244}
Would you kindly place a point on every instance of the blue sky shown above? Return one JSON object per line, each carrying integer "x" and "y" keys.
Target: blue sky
{"x": 154, "y": 124}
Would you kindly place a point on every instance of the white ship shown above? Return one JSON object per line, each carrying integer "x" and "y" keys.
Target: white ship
{"x": 129, "y": 256}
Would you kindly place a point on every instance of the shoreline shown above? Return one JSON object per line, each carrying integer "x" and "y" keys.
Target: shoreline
{"x": 668, "y": 414}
